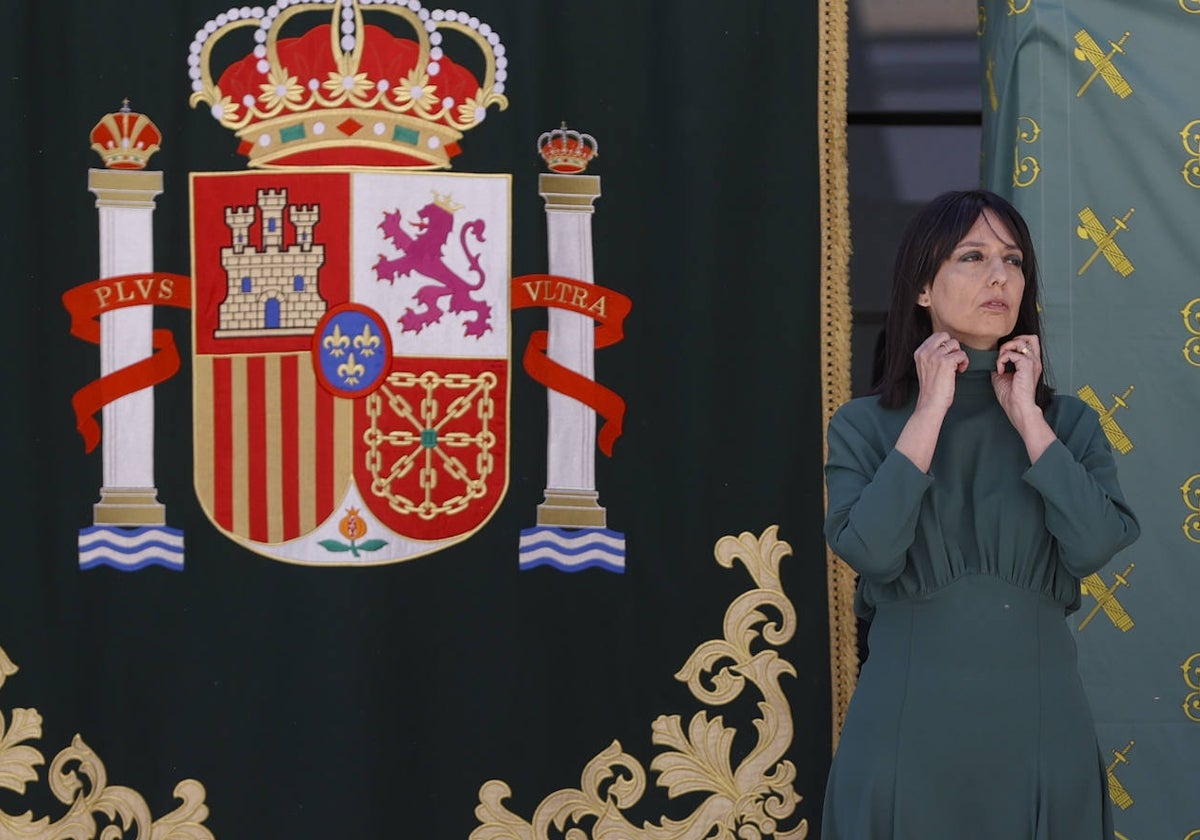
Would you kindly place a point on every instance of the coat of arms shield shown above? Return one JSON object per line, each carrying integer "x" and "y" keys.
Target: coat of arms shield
{"x": 350, "y": 359}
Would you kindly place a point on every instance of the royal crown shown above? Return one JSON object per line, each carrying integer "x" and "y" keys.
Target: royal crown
{"x": 567, "y": 151}
{"x": 125, "y": 139}
{"x": 347, "y": 92}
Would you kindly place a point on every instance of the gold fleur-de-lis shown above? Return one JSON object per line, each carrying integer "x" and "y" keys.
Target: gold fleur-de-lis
{"x": 350, "y": 370}
{"x": 335, "y": 342}
{"x": 367, "y": 342}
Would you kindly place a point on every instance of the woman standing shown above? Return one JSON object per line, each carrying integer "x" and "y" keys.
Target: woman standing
{"x": 971, "y": 500}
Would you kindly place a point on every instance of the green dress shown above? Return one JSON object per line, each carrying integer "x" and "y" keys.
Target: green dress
{"x": 970, "y": 719}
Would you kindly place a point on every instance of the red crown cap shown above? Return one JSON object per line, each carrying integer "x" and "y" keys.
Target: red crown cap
{"x": 125, "y": 139}
{"x": 345, "y": 92}
{"x": 566, "y": 150}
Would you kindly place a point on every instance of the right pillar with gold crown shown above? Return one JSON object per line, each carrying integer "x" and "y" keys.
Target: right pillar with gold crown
{"x": 571, "y": 532}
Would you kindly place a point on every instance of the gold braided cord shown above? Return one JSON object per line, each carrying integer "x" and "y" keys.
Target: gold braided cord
{"x": 836, "y": 323}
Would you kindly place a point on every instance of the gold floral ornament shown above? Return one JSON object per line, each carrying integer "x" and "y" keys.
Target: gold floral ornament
{"x": 753, "y": 800}
{"x": 78, "y": 779}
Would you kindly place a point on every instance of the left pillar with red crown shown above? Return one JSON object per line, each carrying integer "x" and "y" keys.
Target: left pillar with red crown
{"x": 129, "y": 521}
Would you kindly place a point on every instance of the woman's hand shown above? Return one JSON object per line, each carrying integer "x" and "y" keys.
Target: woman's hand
{"x": 1016, "y": 391}
{"x": 939, "y": 360}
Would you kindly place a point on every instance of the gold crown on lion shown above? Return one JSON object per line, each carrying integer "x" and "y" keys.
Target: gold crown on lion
{"x": 348, "y": 92}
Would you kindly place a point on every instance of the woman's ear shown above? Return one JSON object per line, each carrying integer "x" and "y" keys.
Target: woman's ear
{"x": 923, "y": 297}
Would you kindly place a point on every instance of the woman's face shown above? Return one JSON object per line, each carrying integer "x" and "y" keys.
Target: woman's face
{"x": 976, "y": 293}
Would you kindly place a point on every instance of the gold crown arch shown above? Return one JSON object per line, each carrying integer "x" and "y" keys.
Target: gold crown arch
{"x": 309, "y": 108}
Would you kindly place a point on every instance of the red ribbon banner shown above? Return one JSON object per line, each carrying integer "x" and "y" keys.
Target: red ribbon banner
{"x": 86, "y": 303}
{"x": 609, "y": 309}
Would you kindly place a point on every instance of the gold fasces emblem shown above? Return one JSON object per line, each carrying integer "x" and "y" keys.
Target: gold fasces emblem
{"x": 1092, "y": 228}
{"x": 1102, "y": 63}
{"x": 756, "y": 795}
{"x": 1116, "y": 436}
{"x": 78, "y": 779}
{"x": 1116, "y": 790}
{"x": 1106, "y": 599}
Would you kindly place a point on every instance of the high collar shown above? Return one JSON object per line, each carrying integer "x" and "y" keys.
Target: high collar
{"x": 976, "y": 379}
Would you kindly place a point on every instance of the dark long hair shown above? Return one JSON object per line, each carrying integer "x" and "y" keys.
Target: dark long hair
{"x": 928, "y": 241}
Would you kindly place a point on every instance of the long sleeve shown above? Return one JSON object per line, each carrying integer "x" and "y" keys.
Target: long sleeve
{"x": 1085, "y": 510}
{"x": 874, "y": 500}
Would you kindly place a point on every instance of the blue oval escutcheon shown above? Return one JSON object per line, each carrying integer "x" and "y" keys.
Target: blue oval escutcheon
{"x": 352, "y": 350}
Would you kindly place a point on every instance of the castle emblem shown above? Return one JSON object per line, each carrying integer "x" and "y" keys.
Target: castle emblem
{"x": 273, "y": 289}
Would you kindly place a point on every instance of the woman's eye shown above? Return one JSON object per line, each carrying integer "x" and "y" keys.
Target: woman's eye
{"x": 1017, "y": 261}
{"x": 970, "y": 256}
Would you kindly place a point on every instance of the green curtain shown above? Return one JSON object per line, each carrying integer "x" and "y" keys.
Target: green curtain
{"x": 1090, "y": 126}
{"x": 377, "y": 701}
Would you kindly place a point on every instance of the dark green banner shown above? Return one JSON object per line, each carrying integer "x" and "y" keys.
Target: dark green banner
{"x": 388, "y": 680}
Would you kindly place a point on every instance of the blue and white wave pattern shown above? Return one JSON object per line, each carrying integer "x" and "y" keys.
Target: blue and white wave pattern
{"x": 573, "y": 549}
{"x": 130, "y": 549}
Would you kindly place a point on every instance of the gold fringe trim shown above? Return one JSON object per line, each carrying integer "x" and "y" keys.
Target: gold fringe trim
{"x": 836, "y": 323}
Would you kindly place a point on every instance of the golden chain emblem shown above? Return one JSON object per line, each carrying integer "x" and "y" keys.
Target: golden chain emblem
{"x": 1189, "y": 135}
{"x": 1026, "y": 169}
{"x": 1191, "y": 676}
{"x": 1116, "y": 791}
{"x": 1102, "y": 63}
{"x": 1105, "y": 240}
{"x": 430, "y": 444}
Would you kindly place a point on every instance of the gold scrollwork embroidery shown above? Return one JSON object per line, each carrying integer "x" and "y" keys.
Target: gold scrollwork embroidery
{"x": 982, "y": 27}
{"x": 749, "y": 800}
{"x": 1026, "y": 169}
{"x": 1192, "y": 7}
{"x": 1189, "y": 136}
{"x": 1191, "y": 500}
{"x": 79, "y": 780}
{"x": 1191, "y": 676}
{"x": 1013, "y": 10}
{"x": 1191, "y": 322}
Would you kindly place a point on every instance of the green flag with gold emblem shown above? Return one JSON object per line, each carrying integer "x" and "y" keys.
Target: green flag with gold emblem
{"x": 1092, "y": 128}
